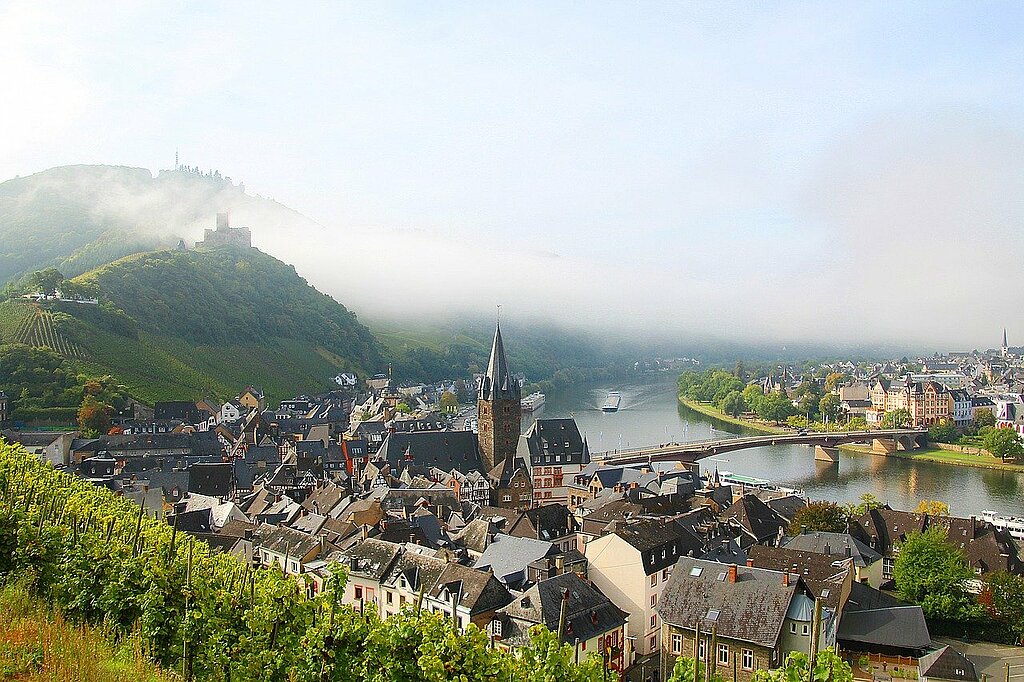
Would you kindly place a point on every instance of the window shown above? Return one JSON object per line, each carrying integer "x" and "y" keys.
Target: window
{"x": 748, "y": 659}
{"x": 654, "y": 621}
{"x": 806, "y": 630}
{"x": 664, "y": 575}
{"x": 702, "y": 649}
{"x": 506, "y": 498}
{"x": 390, "y": 597}
{"x": 654, "y": 580}
{"x": 792, "y": 628}
{"x": 723, "y": 654}
{"x": 496, "y": 628}
{"x": 654, "y": 600}
{"x": 359, "y": 592}
{"x": 677, "y": 643}
{"x": 653, "y": 643}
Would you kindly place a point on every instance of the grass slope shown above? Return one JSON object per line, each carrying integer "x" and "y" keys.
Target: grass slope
{"x": 183, "y": 325}
{"x": 38, "y": 645}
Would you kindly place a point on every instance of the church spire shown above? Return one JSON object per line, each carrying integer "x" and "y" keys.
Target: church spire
{"x": 497, "y": 382}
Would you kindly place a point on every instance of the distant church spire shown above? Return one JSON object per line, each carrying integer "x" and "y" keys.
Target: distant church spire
{"x": 498, "y": 383}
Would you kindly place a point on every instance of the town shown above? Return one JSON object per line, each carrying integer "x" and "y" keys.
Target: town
{"x": 492, "y": 518}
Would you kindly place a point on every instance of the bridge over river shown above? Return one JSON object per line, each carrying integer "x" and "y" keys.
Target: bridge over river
{"x": 885, "y": 441}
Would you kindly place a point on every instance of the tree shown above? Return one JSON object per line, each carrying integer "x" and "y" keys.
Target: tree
{"x": 733, "y": 404}
{"x": 831, "y": 408}
{"x": 544, "y": 659}
{"x": 1003, "y": 443}
{"x": 462, "y": 391}
{"x": 775, "y": 407}
{"x": 1005, "y": 593}
{"x": 944, "y": 432}
{"x": 449, "y": 403}
{"x": 856, "y": 424}
{"x": 984, "y": 418}
{"x": 828, "y": 667}
{"x": 94, "y": 417}
{"x": 824, "y": 516}
{"x": 867, "y": 503}
{"x": 934, "y": 574}
{"x": 752, "y": 396}
{"x": 683, "y": 671}
{"x": 46, "y": 281}
{"x": 896, "y": 419}
{"x": 833, "y": 380}
{"x": 403, "y": 408}
{"x": 932, "y": 508}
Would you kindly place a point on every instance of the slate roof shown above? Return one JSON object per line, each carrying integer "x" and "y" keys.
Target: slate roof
{"x": 283, "y": 540}
{"x": 372, "y": 558}
{"x": 901, "y": 627}
{"x": 497, "y": 382}
{"x": 210, "y": 479}
{"x": 442, "y": 449}
{"x": 556, "y": 441}
{"x": 757, "y": 517}
{"x": 588, "y": 612}
{"x": 508, "y": 557}
{"x": 480, "y": 591}
{"x": 841, "y": 545}
{"x": 548, "y": 522}
{"x": 420, "y": 570}
{"x": 660, "y": 543}
{"x": 822, "y": 574}
{"x": 751, "y": 610}
{"x": 947, "y": 664}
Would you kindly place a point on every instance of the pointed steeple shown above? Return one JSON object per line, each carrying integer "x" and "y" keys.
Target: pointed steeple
{"x": 1005, "y": 344}
{"x": 497, "y": 382}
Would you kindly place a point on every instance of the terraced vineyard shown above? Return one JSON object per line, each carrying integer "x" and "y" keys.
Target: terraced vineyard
{"x": 40, "y": 330}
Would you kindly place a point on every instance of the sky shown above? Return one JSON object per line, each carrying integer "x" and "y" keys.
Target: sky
{"x": 771, "y": 172}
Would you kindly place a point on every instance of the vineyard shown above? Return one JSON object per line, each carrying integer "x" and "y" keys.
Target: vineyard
{"x": 40, "y": 330}
{"x": 96, "y": 558}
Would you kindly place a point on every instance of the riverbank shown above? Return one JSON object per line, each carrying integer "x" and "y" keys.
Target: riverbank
{"x": 709, "y": 410}
{"x": 942, "y": 456}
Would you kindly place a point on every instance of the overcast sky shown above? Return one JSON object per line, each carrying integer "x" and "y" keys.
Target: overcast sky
{"x": 847, "y": 171}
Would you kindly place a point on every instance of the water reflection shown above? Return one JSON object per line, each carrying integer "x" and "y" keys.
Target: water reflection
{"x": 650, "y": 415}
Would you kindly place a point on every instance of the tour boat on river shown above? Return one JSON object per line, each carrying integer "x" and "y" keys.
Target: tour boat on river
{"x": 612, "y": 402}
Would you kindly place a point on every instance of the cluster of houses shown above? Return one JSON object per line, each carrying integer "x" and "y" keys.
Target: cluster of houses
{"x": 956, "y": 387}
{"x": 510, "y": 529}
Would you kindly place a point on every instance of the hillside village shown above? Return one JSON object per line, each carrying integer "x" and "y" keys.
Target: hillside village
{"x": 504, "y": 524}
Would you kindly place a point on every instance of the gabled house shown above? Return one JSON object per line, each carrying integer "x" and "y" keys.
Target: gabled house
{"x": 632, "y": 565}
{"x": 737, "y": 619}
{"x": 555, "y": 452}
{"x": 470, "y": 595}
{"x": 551, "y": 523}
{"x": 594, "y": 626}
{"x": 369, "y": 563}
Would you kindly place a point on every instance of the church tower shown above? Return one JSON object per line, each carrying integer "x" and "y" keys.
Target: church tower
{"x": 499, "y": 414}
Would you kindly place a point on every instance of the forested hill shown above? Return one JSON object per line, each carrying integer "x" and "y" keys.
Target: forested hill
{"x": 76, "y": 218}
{"x": 183, "y": 324}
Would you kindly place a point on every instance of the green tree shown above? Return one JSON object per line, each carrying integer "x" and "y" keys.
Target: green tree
{"x": 867, "y": 503}
{"x": 834, "y": 380}
{"x": 752, "y": 396}
{"x": 449, "y": 403}
{"x": 821, "y": 516}
{"x": 94, "y": 417}
{"x": 544, "y": 659}
{"x": 828, "y": 667}
{"x": 683, "y": 671}
{"x": 1003, "y": 443}
{"x": 984, "y": 418}
{"x": 896, "y": 419}
{"x": 1005, "y": 592}
{"x": 403, "y": 408}
{"x": 733, "y": 404}
{"x": 775, "y": 407}
{"x": 934, "y": 574}
{"x": 944, "y": 432}
{"x": 46, "y": 281}
{"x": 856, "y": 424}
{"x": 831, "y": 408}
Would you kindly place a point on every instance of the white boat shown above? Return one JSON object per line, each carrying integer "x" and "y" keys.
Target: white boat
{"x": 1011, "y": 524}
{"x": 612, "y": 402}
{"x": 532, "y": 402}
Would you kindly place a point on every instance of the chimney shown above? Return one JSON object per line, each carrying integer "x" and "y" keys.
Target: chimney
{"x": 803, "y": 530}
{"x": 732, "y": 573}
{"x": 849, "y": 552}
{"x": 750, "y": 563}
{"x": 785, "y": 578}
{"x": 828, "y": 550}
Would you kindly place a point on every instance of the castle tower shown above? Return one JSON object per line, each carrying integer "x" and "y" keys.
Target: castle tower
{"x": 499, "y": 413}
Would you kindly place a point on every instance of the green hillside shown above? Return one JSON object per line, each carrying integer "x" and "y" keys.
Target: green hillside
{"x": 184, "y": 324}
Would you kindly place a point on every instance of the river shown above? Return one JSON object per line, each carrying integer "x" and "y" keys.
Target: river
{"x": 650, "y": 414}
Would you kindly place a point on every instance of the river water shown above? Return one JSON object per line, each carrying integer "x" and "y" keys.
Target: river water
{"x": 650, "y": 415}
